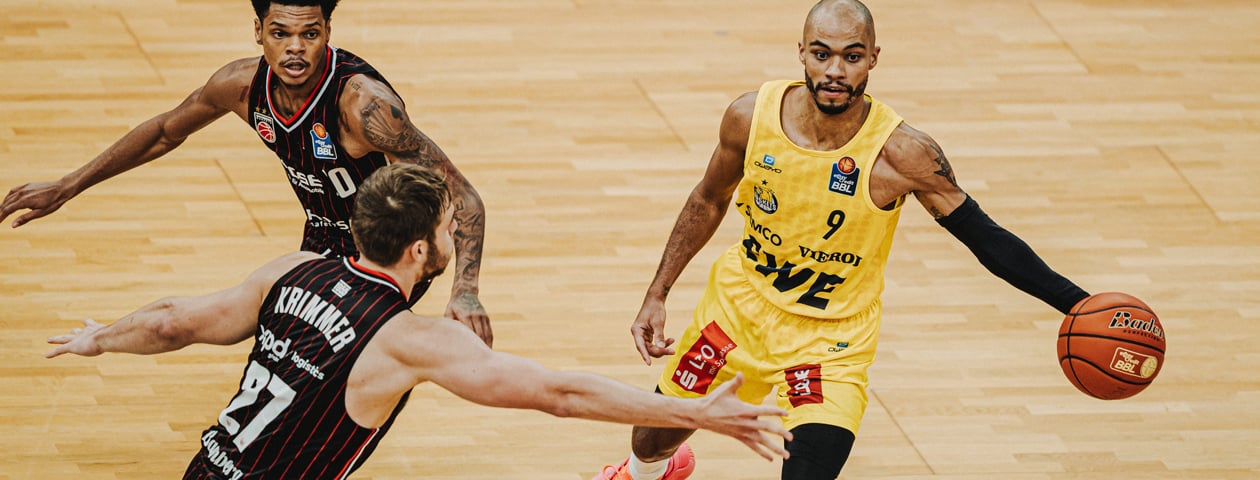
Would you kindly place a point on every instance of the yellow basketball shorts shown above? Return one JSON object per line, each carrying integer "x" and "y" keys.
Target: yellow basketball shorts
{"x": 818, "y": 365}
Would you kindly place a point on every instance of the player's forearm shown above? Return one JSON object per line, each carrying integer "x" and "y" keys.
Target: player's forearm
{"x": 470, "y": 234}
{"x": 139, "y": 146}
{"x": 594, "y": 397}
{"x": 1010, "y": 258}
{"x": 696, "y": 223}
{"x": 152, "y": 329}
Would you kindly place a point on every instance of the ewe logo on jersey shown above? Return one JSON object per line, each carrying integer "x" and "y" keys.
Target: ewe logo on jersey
{"x": 321, "y": 144}
{"x": 844, "y": 176}
{"x": 266, "y": 130}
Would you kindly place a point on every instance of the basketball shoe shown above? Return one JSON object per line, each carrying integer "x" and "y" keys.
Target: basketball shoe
{"x": 680, "y": 466}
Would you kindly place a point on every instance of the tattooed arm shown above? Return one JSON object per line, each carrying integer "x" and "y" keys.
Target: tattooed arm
{"x": 373, "y": 119}
{"x": 916, "y": 163}
{"x": 912, "y": 162}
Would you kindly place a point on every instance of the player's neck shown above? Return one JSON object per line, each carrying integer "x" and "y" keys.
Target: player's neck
{"x": 397, "y": 273}
{"x": 288, "y": 99}
{"x": 809, "y": 127}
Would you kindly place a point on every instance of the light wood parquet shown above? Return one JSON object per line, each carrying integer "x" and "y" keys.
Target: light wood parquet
{"x": 1118, "y": 137}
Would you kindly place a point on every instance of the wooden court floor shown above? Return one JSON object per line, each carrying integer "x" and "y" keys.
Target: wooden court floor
{"x": 1118, "y": 137}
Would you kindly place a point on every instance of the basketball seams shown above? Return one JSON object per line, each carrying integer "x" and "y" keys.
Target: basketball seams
{"x": 1113, "y": 307}
{"x": 1076, "y": 379}
{"x": 1105, "y": 337}
{"x": 1107, "y": 372}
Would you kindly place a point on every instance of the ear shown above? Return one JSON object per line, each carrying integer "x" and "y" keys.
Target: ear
{"x": 258, "y": 31}
{"x": 800, "y": 52}
{"x": 874, "y": 57}
{"x": 419, "y": 251}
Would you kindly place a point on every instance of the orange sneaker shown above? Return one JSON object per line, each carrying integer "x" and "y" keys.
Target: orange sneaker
{"x": 680, "y": 466}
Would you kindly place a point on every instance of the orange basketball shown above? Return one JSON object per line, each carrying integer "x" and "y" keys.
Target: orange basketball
{"x": 1111, "y": 346}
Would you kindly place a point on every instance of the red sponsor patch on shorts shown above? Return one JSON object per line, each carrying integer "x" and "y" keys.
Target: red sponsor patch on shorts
{"x": 804, "y": 384}
{"x": 700, "y": 365}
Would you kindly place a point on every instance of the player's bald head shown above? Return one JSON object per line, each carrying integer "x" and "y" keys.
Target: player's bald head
{"x": 838, "y": 14}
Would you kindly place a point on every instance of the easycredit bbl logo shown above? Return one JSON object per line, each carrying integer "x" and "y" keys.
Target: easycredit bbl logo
{"x": 321, "y": 144}
{"x": 1133, "y": 363}
{"x": 844, "y": 176}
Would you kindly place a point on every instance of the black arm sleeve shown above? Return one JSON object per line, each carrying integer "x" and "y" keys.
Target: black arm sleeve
{"x": 1008, "y": 257}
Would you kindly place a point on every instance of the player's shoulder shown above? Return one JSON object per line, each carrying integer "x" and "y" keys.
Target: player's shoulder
{"x": 271, "y": 271}
{"x": 737, "y": 121}
{"x": 236, "y": 72}
{"x": 362, "y": 89}
{"x": 228, "y": 85}
{"x": 417, "y": 339}
{"x": 743, "y": 105}
{"x": 908, "y": 147}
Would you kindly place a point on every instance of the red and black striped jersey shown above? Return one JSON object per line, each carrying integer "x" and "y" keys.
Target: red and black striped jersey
{"x": 322, "y": 175}
{"x": 289, "y": 419}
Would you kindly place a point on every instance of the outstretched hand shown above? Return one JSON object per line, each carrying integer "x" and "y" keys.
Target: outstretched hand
{"x": 42, "y": 198}
{"x": 725, "y": 413}
{"x": 648, "y": 331}
{"x": 79, "y": 341}
{"x": 467, "y": 309}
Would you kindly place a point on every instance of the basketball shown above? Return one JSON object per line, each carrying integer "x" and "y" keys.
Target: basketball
{"x": 1111, "y": 346}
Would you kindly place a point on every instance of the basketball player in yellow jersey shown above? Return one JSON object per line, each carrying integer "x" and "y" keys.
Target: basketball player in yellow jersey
{"x": 819, "y": 172}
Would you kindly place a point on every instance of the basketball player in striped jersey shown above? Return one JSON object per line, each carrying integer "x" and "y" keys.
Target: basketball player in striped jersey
{"x": 330, "y": 117}
{"x": 337, "y": 352}
{"x": 819, "y": 172}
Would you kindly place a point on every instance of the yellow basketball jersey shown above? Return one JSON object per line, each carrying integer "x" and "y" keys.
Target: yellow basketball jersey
{"x": 814, "y": 242}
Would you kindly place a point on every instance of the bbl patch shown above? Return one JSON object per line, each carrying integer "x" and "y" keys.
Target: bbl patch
{"x": 844, "y": 176}
{"x": 764, "y": 198}
{"x": 321, "y": 144}
{"x": 804, "y": 384}
{"x": 699, "y": 366}
{"x": 266, "y": 130}
{"x": 1133, "y": 363}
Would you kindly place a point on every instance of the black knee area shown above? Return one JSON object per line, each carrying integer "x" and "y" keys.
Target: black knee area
{"x": 818, "y": 452}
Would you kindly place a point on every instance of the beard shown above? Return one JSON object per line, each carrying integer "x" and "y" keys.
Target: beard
{"x": 429, "y": 276}
{"x": 832, "y": 108}
{"x": 435, "y": 265}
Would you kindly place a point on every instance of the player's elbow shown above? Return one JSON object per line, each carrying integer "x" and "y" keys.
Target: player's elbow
{"x": 168, "y": 327}
{"x": 564, "y": 403}
{"x": 560, "y": 398}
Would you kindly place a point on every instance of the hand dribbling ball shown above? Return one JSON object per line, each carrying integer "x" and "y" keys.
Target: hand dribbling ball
{"x": 1111, "y": 346}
